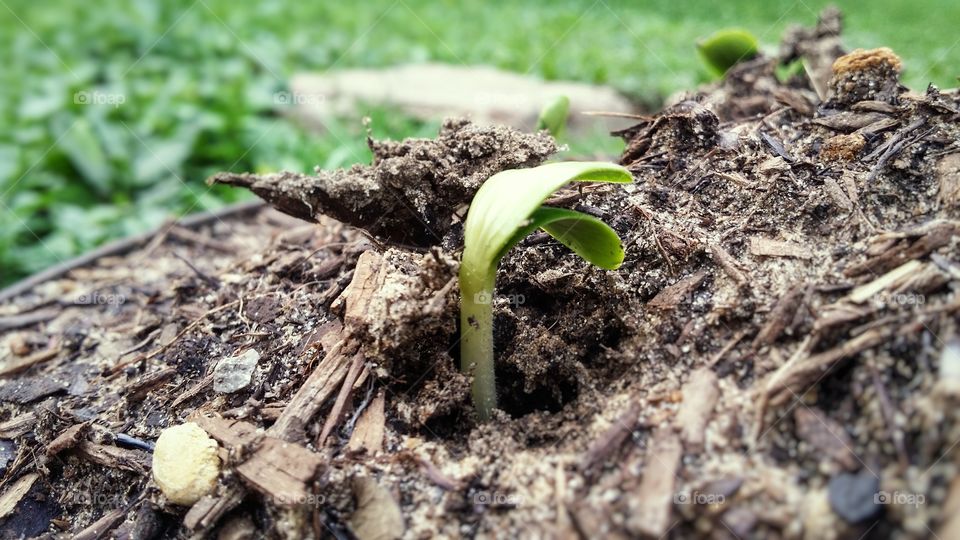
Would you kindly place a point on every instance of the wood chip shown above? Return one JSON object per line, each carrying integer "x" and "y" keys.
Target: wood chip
{"x": 650, "y": 506}
{"x": 837, "y": 194}
{"x": 700, "y": 395}
{"x": 281, "y": 471}
{"x": 866, "y": 291}
{"x": 727, "y": 263}
{"x": 101, "y": 526}
{"x": 378, "y": 516}
{"x": 310, "y": 398}
{"x": 793, "y": 382}
{"x": 780, "y": 317}
{"x": 678, "y": 293}
{"x": 827, "y": 437}
{"x": 355, "y": 299}
{"x": 346, "y": 389}
{"x": 368, "y": 432}
{"x": 929, "y": 237}
{"x": 68, "y": 439}
{"x": 18, "y": 425}
{"x": 612, "y": 439}
{"x": 230, "y": 433}
{"x": 139, "y": 389}
{"x": 948, "y": 175}
{"x": 206, "y": 512}
{"x": 115, "y": 457}
{"x": 22, "y": 364}
{"x": 11, "y": 497}
{"x": 193, "y": 391}
{"x": 766, "y": 247}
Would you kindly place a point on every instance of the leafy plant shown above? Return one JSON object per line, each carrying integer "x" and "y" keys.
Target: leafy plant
{"x": 724, "y": 49}
{"x": 504, "y": 211}
{"x": 553, "y": 116}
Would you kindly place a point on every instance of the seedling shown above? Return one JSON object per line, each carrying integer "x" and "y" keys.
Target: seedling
{"x": 506, "y": 209}
{"x": 724, "y": 49}
{"x": 553, "y": 116}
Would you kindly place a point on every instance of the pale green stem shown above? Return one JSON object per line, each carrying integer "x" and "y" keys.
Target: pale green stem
{"x": 476, "y": 343}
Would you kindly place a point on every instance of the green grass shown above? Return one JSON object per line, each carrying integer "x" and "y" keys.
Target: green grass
{"x": 198, "y": 80}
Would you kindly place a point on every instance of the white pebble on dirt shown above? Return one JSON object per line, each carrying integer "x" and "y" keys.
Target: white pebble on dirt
{"x": 235, "y": 372}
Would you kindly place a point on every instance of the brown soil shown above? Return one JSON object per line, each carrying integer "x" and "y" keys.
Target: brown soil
{"x": 776, "y": 358}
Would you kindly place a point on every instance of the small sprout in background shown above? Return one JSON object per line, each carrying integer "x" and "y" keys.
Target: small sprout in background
{"x": 506, "y": 209}
{"x": 724, "y": 49}
{"x": 553, "y": 116}
{"x": 786, "y": 72}
{"x": 185, "y": 463}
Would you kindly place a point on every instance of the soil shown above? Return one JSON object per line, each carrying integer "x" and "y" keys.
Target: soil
{"x": 776, "y": 358}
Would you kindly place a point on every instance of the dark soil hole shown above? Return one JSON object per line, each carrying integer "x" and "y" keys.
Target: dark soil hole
{"x": 551, "y": 397}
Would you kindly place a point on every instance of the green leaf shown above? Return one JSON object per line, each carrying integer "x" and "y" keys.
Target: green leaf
{"x": 724, "y": 49}
{"x": 508, "y": 202}
{"x": 553, "y": 117}
{"x": 586, "y": 235}
{"x": 82, "y": 146}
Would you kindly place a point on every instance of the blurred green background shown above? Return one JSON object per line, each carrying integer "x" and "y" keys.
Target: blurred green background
{"x": 114, "y": 112}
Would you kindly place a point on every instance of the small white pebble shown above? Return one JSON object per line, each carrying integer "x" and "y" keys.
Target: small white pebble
{"x": 185, "y": 463}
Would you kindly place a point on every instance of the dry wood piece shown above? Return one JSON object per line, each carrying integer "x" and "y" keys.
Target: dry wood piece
{"x": 948, "y": 174}
{"x": 678, "y": 293}
{"x": 206, "y": 512}
{"x": 950, "y": 526}
{"x": 929, "y": 237}
{"x": 651, "y": 504}
{"x": 139, "y": 389}
{"x": 20, "y": 320}
{"x": 68, "y": 439}
{"x": 728, "y": 263}
{"x": 837, "y": 193}
{"x": 11, "y": 497}
{"x": 193, "y": 391}
{"x": 794, "y": 382}
{"x": 368, "y": 433}
{"x": 281, "y": 471}
{"x": 22, "y": 364}
{"x": 826, "y": 436}
{"x": 99, "y": 527}
{"x": 306, "y": 403}
{"x": 612, "y": 439}
{"x": 355, "y": 299}
{"x": 114, "y": 456}
{"x": 18, "y": 425}
{"x": 230, "y": 433}
{"x": 887, "y": 281}
{"x": 766, "y": 247}
{"x": 345, "y": 390}
{"x": 377, "y": 517}
{"x": 700, "y": 395}
{"x": 781, "y": 316}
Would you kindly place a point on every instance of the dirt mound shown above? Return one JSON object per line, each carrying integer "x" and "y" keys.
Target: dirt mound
{"x": 777, "y": 356}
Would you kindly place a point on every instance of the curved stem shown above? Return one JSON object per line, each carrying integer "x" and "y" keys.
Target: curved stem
{"x": 476, "y": 343}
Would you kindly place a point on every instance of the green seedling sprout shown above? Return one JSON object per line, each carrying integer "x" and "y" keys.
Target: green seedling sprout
{"x": 724, "y": 49}
{"x": 553, "y": 116}
{"x": 507, "y": 208}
